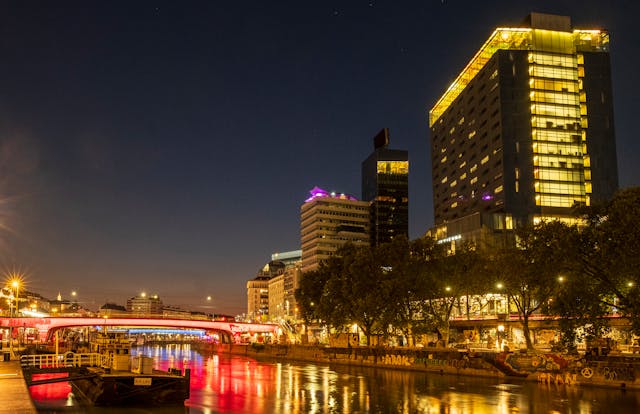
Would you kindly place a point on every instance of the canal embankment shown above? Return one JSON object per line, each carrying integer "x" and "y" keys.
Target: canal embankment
{"x": 613, "y": 371}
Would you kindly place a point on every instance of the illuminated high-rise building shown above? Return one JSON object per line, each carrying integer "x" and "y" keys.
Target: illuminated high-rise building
{"x": 328, "y": 220}
{"x": 385, "y": 183}
{"x": 525, "y": 132}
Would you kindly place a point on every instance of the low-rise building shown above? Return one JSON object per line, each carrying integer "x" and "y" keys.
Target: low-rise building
{"x": 144, "y": 305}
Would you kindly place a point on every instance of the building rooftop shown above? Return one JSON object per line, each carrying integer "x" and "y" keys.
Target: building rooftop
{"x": 518, "y": 38}
{"x": 318, "y": 192}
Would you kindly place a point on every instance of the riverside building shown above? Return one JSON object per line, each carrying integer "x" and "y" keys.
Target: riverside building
{"x": 258, "y": 291}
{"x": 328, "y": 221}
{"x": 282, "y": 301}
{"x": 525, "y": 132}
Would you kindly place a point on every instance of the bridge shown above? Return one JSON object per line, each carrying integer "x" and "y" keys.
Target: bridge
{"x": 46, "y": 326}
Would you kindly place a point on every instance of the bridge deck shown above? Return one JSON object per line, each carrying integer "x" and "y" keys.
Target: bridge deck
{"x": 14, "y": 394}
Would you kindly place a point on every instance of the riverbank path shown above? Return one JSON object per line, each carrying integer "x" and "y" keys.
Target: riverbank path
{"x": 14, "y": 393}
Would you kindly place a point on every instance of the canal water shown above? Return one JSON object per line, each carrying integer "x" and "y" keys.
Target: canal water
{"x": 233, "y": 384}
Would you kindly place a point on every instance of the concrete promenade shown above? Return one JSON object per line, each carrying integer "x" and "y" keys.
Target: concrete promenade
{"x": 14, "y": 394}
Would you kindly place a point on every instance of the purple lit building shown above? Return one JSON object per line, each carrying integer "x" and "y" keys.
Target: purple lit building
{"x": 328, "y": 220}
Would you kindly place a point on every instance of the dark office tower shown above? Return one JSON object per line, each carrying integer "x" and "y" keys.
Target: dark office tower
{"x": 525, "y": 132}
{"x": 385, "y": 183}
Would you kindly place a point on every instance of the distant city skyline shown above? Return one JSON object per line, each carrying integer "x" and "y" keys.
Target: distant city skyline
{"x": 167, "y": 148}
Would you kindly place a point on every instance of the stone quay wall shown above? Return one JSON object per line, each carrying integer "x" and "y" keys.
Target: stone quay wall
{"x": 614, "y": 371}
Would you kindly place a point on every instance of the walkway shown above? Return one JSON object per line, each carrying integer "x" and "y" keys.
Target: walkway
{"x": 14, "y": 394}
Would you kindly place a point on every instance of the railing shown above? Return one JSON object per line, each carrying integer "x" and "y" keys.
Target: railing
{"x": 286, "y": 326}
{"x": 67, "y": 360}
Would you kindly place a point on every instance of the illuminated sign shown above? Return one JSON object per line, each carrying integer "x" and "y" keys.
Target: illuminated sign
{"x": 142, "y": 381}
{"x": 450, "y": 239}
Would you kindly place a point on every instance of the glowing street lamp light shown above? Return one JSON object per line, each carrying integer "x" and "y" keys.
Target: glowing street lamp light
{"x": 15, "y": 283}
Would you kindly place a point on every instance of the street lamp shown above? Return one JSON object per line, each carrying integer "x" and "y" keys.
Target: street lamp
{"x": 15, "y": 283}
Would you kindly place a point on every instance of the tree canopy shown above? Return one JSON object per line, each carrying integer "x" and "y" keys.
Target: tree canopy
{"x": 577, "y": 273}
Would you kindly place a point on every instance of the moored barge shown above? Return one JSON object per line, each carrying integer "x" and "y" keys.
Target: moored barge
{"x": 109, "y": 375}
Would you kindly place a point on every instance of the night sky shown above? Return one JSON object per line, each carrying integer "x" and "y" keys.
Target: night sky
{"x": 166, "y": 146}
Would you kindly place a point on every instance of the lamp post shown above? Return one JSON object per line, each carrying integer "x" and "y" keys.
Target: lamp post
{"x": 11, "y": 339}
{"x": 10, "y": 330}
{"x": 15, "y": 284}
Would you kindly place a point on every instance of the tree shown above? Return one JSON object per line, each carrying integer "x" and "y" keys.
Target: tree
{"x": 468, "y": 268}
{"x": 448, "y": 278}
{"x": 405, "y": 263}
{"x": 350, "y": 287}
{"x": 309, "y": 293}
{"x": 613, "y": 257}
{"x": 531, "y": 271}
{"x": 366, "y": 289}
{"x": 318, "y": 299}
{"x": 580, "y": 308}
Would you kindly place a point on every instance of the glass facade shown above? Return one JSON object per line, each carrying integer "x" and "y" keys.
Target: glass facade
{"x": 393, "y": 167}
{"x": 385, "y": 184}
{"x": 558, "y": 142}
{"x": 559, "y": 43}
{"x": 526, "y": 129}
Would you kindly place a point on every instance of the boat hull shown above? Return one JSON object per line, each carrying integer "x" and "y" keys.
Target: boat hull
{"x": 132, "y": 390}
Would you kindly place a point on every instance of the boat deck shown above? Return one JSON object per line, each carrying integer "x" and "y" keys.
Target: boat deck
{"x": 98, "y": 379}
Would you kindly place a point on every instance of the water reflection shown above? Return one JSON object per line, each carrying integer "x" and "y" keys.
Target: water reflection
{"x": 308, "y": 388}
{"x": 233, "y": 384}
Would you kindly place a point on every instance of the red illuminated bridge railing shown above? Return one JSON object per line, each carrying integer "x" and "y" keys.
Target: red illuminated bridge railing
{"x": 46, "y": 325}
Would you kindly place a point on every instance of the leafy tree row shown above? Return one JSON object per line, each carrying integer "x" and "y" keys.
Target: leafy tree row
{"x": 579, "y": 274}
